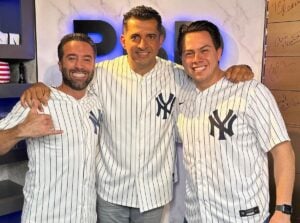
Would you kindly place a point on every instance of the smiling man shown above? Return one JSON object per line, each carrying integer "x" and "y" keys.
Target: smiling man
{"x": 60, "y": 182}
{"x": 227, "y": 130}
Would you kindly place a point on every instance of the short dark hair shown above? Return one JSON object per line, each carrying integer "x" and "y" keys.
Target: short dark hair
{"x": 77, "y": 37}
{"x": 143, "y": 13}
{"x": 198, "y": 26}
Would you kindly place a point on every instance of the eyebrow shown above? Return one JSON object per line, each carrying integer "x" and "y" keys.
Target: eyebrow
{"x": 74, "y": 54}
{"x": 209, "y": 46}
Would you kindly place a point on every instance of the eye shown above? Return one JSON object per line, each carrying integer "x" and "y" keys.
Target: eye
{"x": 204, "y": 50}
{"x": 152, "y": 36}
{"x": 135, "y": 37}
{"x": 87, "y": 59}
{"x": 188, "y": 54}
{"x": 71, "y": 58}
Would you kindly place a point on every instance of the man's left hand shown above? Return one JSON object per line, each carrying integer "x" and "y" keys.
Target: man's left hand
{"x": 238, "y": 73}
{"x": 279, "y": 217}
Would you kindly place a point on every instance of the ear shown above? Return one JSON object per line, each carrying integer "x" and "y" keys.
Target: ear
{"x": 161, "y": 40}
{"x": 122, "y": 40}
{"x": 219, "y": 53}
{"x": 59, "y": 65}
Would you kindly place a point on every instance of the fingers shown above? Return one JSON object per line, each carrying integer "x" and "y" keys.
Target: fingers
{"x": 55, "y": 132}
{"x": 48, "y": 125}
{"x": 239, "y": 73}
{"x": 39, "y": 92}
{"x": 246, "y": 73}
{"x": 43, "y": 94}
{"x": 25, "y": 98}
{"x": 231, "y": 73}
{"x": 38, "y": 125}
{"x": 34, "y": 107}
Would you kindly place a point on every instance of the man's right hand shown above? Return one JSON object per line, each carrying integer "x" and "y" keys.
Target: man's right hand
{"x": 39, "y": 92}
{"x": 36, "y": 124}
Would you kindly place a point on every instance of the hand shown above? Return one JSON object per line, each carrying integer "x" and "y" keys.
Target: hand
{"x": 279, "y": 217}
{"x": 238, "y": 73}
{"x": 37, "y": 91}
{"x": 37, "y": 125}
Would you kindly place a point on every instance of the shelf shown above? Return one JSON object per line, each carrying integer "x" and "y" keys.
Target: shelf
{"x": 26, "y": 49}
{"x": 11, "y": 197}
{"x": 9, "y": 95}
{"x": 16, "y": 154}
{"x": 13, "y": 90}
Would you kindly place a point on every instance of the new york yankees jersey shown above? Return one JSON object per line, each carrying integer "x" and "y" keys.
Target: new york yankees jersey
{"x": 227, "y": 131}
{"x": 60, "y": 183}
{"x": 136, "y": 161}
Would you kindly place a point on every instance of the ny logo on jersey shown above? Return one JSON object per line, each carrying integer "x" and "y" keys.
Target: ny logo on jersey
{"x": 165, "y": 106}
{"x": 216, "y": 122}
{"x": 96, "y": 121}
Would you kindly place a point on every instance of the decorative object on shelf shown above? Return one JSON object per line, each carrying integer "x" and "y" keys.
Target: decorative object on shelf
{"x": 4, "y": 72}
{"x": 3, "y": 38}
{"x": 22, "y": 72}
{"x": 9, "y": 38}
{"x": 14, "y": 38}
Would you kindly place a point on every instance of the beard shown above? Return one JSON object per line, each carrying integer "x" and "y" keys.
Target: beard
{"x": 75, "y": 84}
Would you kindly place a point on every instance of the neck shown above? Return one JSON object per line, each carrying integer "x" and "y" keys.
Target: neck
{"x": 77, "y": 94}
{"x": 141, "y": 69}
{"x": 207, "y": 83}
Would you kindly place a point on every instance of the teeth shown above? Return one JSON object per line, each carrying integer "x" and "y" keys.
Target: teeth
{"x": 199, "y": 68}
{"x": 79, "y": 75}
{"x": 143, "y": 53}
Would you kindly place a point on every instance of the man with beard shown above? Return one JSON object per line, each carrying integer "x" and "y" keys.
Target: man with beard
{"x": 60, "y": 182}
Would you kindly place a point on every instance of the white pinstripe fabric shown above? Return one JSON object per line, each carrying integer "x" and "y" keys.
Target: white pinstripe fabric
{"x": 60, "y": 183}
{"x": 136, "y": 163}
{"x": 226, "y": 176}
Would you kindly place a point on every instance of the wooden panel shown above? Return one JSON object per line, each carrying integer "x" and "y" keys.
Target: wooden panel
{"x": 294, "y": 134}
{"x": 283, "y": 39}
{"x": 283, "y": 10}
{"x": 296, "y": 200}
{"x": 282, "y": 73}
{"x": 289, "y": 105}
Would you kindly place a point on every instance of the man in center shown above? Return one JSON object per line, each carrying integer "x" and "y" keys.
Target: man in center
{"x": 140, "y": 94}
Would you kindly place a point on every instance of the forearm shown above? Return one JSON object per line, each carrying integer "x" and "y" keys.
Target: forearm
{"x": 284, "y": 172}
{"x": 9, "y": 138}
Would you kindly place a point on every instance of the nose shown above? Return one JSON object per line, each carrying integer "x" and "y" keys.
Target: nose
{"x": 142, "y": 43}
{"x": 197, "y": 56}
{"x": 79, "y": 64}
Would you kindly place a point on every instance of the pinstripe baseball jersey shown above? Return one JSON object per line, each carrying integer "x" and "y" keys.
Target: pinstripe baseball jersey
{"x": 227, "y": 131}
{"x": 136, "y": 161}
{"x": 60, "y": 183}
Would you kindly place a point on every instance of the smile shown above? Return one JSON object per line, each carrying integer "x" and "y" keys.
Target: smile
{"x": 78, "y": 75}
{"x": 199, "y": 68}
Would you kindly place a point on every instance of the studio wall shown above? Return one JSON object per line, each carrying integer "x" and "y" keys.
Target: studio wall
{"x": 241, "y": 23}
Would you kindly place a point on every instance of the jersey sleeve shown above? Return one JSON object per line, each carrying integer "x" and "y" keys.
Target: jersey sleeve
{"x": 14, "y": 117}
{"x": 266, "y": 119}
